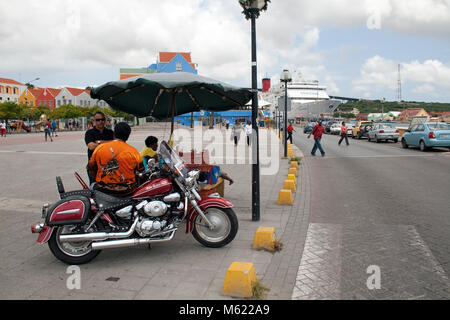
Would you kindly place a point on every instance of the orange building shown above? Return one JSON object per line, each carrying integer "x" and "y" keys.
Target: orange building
{"x": 39, "y": 97}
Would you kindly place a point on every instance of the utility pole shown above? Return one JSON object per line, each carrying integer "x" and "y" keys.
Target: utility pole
{"x": 399, "y": 86}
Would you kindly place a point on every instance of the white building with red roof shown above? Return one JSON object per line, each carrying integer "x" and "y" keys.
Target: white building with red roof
{"x": 77, "y": 97}
{"x": 10, "y": 90}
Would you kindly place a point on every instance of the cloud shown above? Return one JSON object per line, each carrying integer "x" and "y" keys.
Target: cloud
{"x": 380, "y": 75}
{"x": 85, "y": 37}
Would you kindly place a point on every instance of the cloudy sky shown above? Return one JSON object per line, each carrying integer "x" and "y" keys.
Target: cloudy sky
{"x": 352, "y": 46}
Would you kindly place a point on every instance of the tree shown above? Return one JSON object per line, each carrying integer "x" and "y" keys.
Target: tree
{"x": 10, "y": 110}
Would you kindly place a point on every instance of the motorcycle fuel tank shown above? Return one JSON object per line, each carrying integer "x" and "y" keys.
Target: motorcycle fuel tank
{"x": 153, "y": 188}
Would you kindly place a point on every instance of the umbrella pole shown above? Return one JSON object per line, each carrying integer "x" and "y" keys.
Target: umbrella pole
{"x": 173, "y": 113}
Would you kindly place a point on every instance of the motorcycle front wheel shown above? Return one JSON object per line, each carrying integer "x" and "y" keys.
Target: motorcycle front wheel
{"x": 73, "y": 253}
{"x": 225, "y": 227}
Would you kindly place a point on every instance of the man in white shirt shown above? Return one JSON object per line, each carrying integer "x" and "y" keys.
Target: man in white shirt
{"x": 248, "y": 131}
{"x": 3, "y": 129}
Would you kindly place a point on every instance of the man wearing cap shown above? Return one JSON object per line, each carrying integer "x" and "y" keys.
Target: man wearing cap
{"x": 317, "y": 132}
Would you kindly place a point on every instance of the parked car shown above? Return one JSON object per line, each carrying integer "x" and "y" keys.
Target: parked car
{"x": 427, "y": 135}
{"x": 363, "y": 130}
{"x": 309, "y": 127}
{"x": 328, "y": 126}
{"x": 357, "y": 129}
{"x": 350, "y": 128}
{"x": 335, "y": 128}
{"x": 383, "y": 131}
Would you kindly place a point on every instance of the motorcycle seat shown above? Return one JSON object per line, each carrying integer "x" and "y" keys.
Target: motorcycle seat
{"x": 108, "y": 202}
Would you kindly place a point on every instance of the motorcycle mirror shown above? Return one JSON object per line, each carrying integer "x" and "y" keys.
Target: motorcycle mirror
{"x": 151, "y": 163}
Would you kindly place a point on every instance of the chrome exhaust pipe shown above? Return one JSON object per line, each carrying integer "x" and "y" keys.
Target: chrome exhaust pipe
{"x": 96, "y": 236}
{"x": 129, "y": 242}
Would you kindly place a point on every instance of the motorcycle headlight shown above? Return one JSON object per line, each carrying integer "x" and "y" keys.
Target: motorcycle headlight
{"x": 190, "y": 181}
{"x": 194, "y": 174}
{"x": 192, "y": 178}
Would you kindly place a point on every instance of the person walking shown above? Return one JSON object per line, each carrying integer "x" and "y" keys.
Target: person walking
{"x": 343, "y": 134}
{"x": 47, "y": 128}
{"x": 237, "y": 129}
{"x": 248, "y": 131}
{"x": 3, "y": 129}
{"x": 317, "y": 132}
{"x": 290, "y": 129}
{"x": 54, "y": 128}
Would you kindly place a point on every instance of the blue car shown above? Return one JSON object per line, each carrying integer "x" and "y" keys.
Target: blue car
{"x": 309, "y": 127}
{"x": 427, "y": 135}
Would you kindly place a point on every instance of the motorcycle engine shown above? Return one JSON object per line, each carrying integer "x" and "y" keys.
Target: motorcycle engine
{"x": 155, "y": 209}
{"x": 146, "y": 227}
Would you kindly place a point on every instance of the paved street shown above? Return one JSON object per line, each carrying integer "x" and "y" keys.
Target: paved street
{"x": 179, "y": 269}
{"x": 376, "y": 205}
{"x": 363, "y": 206}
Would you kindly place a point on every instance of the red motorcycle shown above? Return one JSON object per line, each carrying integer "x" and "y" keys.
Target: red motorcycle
{"x": 83, "y": 222}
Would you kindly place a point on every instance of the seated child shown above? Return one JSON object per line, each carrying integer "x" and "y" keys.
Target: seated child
{"x": 149, "y": 151}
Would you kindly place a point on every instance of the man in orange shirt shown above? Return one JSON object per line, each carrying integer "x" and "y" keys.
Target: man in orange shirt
{"x": 343, "y": 134}
{"x": 114, "y": 163}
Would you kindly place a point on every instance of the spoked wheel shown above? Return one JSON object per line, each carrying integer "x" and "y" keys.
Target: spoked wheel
{"x": 225, "y": 227}
{"x": 74, "y": 253}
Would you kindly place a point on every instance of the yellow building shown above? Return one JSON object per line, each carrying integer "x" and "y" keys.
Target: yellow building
{"x": 409, "y": 113}
{"x": 29, "y": 97}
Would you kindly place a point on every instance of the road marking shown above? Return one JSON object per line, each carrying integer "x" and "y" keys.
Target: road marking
{"x": 336, "y": 257}
{"x": 374, "y": 156}
{"x": 319, "y": 273}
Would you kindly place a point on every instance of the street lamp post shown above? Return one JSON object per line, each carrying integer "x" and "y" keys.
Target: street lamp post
{"x": 285, "y": 77}
{"x": 252, "y": 9}
{"x": 29, "y": 85}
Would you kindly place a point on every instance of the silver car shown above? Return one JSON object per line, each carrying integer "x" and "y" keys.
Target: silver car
{"x": 383, "y": 131}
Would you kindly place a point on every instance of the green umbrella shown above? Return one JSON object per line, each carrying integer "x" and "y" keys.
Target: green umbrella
{"x": 165, "y": 95}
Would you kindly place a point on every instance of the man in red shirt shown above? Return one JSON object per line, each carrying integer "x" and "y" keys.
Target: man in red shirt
{"x": 290, "y": 129}
{"x": 317, "y": 132}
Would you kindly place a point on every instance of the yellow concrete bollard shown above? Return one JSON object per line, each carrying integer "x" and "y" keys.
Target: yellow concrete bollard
{"x": 285, "y": 197}
{"x": 264, "y": 238}
{"x": 293, "y": 171}
{"x": 239, "y": 280}
{"x": 290, "y": 153}
{"x": 290, "y": 185}
{"x": 294, "y": 164}
{"x": 292, "y": 177}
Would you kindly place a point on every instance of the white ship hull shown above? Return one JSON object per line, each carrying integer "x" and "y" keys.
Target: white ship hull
{"x": 313, "y": 109}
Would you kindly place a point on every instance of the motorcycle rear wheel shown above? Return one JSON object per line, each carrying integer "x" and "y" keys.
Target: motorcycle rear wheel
{"x": 73, "y": 253}
{"x": 225, "y": 227}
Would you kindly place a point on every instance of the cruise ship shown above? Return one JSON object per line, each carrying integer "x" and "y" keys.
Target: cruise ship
{"x": 308, "y": 98}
